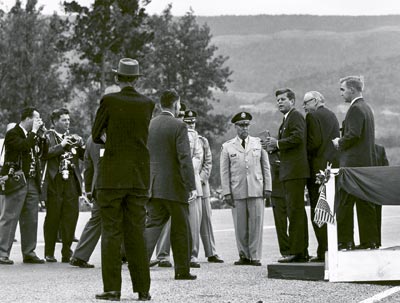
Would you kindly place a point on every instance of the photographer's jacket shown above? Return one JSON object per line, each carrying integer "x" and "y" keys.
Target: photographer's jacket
{"x": 53, "y": 153}
{"x": 19, "y": 149}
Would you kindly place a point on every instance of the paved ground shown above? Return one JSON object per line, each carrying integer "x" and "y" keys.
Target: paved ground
{"x": 216, "y": 282}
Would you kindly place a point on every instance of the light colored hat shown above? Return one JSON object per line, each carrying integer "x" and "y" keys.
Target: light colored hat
{"x": 127, "y": 67}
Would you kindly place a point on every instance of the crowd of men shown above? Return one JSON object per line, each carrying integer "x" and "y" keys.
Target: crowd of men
{"x": 147, "y": 178}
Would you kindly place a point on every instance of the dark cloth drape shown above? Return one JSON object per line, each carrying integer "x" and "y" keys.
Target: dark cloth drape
{"x": 376, "y": 184}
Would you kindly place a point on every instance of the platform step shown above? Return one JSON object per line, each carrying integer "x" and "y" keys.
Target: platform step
{"x": 298, "y": 271}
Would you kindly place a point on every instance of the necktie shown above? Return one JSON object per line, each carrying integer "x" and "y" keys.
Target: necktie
{"x": 244, "y": 143}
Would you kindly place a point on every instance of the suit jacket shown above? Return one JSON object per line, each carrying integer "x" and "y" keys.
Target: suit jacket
{"x": 91, "y": 164}
{"x": 52, "y": 155}
{"x": 124, "y": 116}
{"x": 357, "y": 144}
{"x": 171, "y": 166}
{"x": 245, "y": 173}
{"x": 18, "y": 149}
{"x": 322, "y": 128}
{"x": 292, "y": 143}
{"x": 206, "y": 166}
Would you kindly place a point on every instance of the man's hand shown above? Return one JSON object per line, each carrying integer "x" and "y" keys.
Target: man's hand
{"x": 336, "y": 143}
{"x": 267, "y": 194}
{"x": 229, "y": 200}
{"x": 37, "y": 122}
{"x": 192, "y": 196}
{"x": 272, "y": 143}
{"x": 264, "y": 144}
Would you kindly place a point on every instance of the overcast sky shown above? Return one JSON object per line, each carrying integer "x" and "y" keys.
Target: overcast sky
{"x": 252, "y": 7}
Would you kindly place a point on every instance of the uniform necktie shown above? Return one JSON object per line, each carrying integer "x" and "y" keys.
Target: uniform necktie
{"x": 244, "y": 143}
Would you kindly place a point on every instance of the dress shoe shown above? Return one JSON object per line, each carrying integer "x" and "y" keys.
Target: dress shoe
{"x": 80, "y": 263}
{"x": 215, "y": 259}
{"x": 164, "y": 263}
{"x": 194, "y": 264}
{"x": 242, "y": 261}
{"x": 144, "y": 296}
{"x": 317, "y": 259}
{"x": 346, "y": 246}
{"x": 50, "y": 259}
{"x": 370, "y": 245}
{"x": 255, "y": 263}
{"x": 187, "y": 276}
{"x": 65, "y": 259}
{"x": 6, "y": 261}
{"x": 33, "y": 260}
{"x": 153, "y": 263}
{"x": 293, "y": 259}
{"x": 109, "y": 296}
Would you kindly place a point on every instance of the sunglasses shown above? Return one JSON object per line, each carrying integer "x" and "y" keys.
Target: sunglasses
{"x": 306, "y": 101}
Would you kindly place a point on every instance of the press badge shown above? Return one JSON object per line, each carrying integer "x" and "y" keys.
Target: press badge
{"x": 102, "y": 152}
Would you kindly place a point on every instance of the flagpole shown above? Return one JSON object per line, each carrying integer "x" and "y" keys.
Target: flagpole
{"x": 331, "y": 273}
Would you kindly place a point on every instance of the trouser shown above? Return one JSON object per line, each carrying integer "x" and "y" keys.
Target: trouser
{"x": 123, "y": 215}
{"x": 195, "y": 210}
{"x": 62, "y": 208}
{"x": 298, "y": 229}
{"x": 20, "y": 205}
{"x": 159, "y": 211}
{"x": 281, "y": 224}
{"x": 248, "y": 220}
{"x": 321, "y": 233}
{"x": 164, "y": 243}
{"x": 90, "y": 235}
{"x": 366, "y": 216}
{"x": 206, "y": 229}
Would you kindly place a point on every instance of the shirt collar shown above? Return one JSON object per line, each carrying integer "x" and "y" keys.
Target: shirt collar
{"x": 240, "y": 140}
{"x": 168, "y": 112}
{"x": 355, "y": 99}
{"x": 285, "y": 115}
{"x": 24, "y": 130}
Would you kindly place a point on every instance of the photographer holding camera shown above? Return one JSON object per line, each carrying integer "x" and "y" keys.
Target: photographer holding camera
{"x": 23, "y": 145}
{"x": 64, "y": 181}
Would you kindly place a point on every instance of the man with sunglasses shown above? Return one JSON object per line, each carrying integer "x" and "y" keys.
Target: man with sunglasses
{"x": 246, "y": 182}
{"x": 322, "y": 128}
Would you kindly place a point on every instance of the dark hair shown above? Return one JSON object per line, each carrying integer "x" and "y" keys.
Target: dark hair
{"x": 126, "y": 79}
{"x": 168, "y": 98}
{"x": 289, "y": 93}
{"x": 27, "y": 112}
{"x": 56, "y": 114}
{"x": 355, "y": 82}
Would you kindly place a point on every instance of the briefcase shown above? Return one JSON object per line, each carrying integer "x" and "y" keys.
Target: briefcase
{"x": 13, "y": 183}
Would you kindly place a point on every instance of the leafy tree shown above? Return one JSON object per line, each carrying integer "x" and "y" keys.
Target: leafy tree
{"x": 29, "y": 61}
{"x": 109, "y": 30}
{"x": 181, "y": 56}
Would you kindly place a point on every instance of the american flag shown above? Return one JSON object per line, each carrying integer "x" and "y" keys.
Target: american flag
{"x": 323, "y": 213}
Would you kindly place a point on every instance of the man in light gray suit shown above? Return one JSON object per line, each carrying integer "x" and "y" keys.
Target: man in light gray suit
{"x": 92, "y": 231}
{"x": 246, "y": 182}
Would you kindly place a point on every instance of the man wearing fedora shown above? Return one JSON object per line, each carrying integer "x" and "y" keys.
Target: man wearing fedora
{"x": 122, "y": 125}
{"x": 246, "y": 182}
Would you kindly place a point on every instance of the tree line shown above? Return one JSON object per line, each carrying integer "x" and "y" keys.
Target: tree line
{"x": 66, "y": 61}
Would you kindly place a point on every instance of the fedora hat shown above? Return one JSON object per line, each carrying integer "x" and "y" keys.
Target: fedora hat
{"x": 127, "y": 67}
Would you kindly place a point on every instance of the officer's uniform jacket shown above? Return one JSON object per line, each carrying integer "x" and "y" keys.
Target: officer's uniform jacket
{"x": 245, "y": 173}
{"x": 197, "y": 156}
{"x": 206, "y": 165}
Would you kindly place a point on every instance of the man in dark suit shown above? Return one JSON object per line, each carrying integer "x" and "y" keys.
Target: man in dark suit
{"x": 23, "y": 144}
{"x": 64, "y": 181}
{"x": 322, "y": 128}
{"x": 122, "y": 123}
{"x": 172, "y": 183}
{"x": 293, "y": 172}
{"x": 357, "y": 149}
{"x": 92, "y": 231}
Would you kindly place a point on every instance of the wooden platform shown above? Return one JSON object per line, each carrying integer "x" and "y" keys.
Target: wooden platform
{"x": 297, "y": 271}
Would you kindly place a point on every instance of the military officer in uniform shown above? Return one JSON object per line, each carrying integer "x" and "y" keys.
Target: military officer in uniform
{"x": 195, "y": 209}
{"x": 246, "y": 182}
